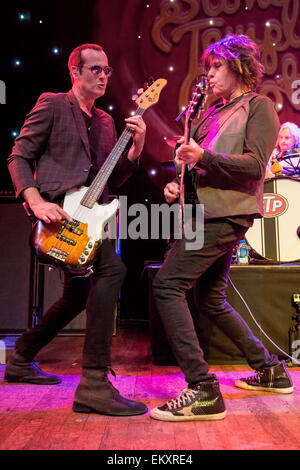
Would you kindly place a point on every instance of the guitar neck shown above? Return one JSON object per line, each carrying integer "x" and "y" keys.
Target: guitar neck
{"x": 98, "y": 184}
{"x": 187, "y": 135}
{"x": 187, "y": 131}
{"x": 195, "y": 105}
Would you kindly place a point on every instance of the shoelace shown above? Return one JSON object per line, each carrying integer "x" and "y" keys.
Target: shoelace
{"x": 257, "y": 376}
{"x": 184, "y": 398}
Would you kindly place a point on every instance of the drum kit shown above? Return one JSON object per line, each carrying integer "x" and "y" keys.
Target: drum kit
{"x": 276, "y": 236}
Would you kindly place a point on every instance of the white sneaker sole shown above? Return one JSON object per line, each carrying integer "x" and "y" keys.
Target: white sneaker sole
{"x": 168, "y": 416}
{"x": 244, "y": 385}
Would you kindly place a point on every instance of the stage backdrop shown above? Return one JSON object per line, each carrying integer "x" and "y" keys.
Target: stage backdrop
{"x": 165, "y": 38}
{"x": 154, "y": 38}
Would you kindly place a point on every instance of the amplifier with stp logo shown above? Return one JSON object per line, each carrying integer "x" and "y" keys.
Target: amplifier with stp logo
{"x": 274, "y": 205}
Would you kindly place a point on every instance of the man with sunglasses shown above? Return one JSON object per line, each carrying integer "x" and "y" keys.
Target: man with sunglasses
{"x": 66, "y": 139}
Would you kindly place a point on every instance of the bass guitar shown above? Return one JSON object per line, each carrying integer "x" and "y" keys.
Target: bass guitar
{"x": 73, "y": 245}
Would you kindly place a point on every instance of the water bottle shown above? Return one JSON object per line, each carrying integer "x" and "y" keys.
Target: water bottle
{"x": 234, "y": 259}
{"x": 242, "y": 253}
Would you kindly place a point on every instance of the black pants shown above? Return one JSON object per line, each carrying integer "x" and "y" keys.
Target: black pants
{"x": 98, "y": 295}
{"x": 211, "y": 264}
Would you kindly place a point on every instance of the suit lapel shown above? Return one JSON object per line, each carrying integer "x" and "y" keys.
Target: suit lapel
{"x": 79, "y": 120}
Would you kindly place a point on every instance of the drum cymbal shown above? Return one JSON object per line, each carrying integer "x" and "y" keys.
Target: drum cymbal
{"x": 294, "y": 153}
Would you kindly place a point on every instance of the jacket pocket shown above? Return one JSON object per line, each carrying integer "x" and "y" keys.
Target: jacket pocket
{"x": 53, "y": 186}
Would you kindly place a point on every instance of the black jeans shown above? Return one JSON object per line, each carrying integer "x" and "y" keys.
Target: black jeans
{"x": 211, "y": 265}
{"x": 98, "y": 294}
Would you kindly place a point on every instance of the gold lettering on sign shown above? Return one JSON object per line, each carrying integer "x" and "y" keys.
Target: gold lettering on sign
{"x": 281, "y": 67}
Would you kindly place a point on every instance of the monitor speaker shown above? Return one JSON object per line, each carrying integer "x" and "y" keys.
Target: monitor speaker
{"x": 16, "y": 274}
{"x": 15, "y": 257}
{"x": 27, "y": 289}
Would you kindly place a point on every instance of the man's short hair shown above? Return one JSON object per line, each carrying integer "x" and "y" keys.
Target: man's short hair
{"x": 242, "y": 56}
{"x": 75, "y": 58}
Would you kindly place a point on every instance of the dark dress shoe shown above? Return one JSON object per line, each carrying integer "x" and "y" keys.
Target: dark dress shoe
{"x": 115, "y": 405}
{"x": 96, "y": 394}
{"x": 20, "y": 370}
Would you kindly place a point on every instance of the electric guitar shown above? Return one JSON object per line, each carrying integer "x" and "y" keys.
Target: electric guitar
{"x": 73, "y": 245}
{"x": 193, "y": 109}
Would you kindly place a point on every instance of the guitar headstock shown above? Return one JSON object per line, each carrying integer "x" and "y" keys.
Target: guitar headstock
{"x": 198, "y": 98}
{"x": 151, "y": 95}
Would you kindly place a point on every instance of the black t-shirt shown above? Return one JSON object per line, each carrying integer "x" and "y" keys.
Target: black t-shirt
{"x": 92, "y": 139}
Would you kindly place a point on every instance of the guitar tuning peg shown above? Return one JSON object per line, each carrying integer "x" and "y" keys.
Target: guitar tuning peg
{"x": 146, "y": 85}
{"x": 150, "y": 81}
{"x": 137, "y": 94}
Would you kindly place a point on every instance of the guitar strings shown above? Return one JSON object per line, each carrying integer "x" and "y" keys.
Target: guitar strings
{"x": 98, "y": 182}
{"x": 101, "y": 177}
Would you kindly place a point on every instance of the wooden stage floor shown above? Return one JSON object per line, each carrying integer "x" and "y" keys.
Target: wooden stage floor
{"x": 40, "y": 417}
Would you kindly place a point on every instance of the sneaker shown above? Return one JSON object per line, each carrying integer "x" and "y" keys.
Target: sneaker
{"x": 203, "y": 402}
{"x": 270, "y": 379}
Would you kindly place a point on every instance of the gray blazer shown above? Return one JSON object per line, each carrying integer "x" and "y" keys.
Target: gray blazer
{"x": 52, "y": 151}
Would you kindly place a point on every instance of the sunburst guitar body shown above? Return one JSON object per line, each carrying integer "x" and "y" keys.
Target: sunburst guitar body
{"x": 73, "y": 245}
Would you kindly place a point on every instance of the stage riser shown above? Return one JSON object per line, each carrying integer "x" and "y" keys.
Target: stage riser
{"x": 268, "y": 292}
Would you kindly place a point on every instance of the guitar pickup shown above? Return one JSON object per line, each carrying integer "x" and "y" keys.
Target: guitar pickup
{"x": 65, "y": 239}
{"x": 77, "y": 231}
{"x": 72, "y": 227}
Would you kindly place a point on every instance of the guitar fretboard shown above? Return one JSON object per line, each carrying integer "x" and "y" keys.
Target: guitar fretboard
{"x": 98, "y": 185}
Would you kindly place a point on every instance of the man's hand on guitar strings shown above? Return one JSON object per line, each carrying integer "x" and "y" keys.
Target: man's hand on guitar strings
{"x": 49, "y": 212}
{"x": 44, "y": 210}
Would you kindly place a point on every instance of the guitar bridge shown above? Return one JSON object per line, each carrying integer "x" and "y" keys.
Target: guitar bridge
{"x": 57, "y": 253}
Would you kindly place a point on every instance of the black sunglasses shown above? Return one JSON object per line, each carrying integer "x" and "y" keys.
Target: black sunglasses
{"x": 97, "y": 69}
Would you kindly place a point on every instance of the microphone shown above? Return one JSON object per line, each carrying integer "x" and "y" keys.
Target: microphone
{"x": 196, "y": 104}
